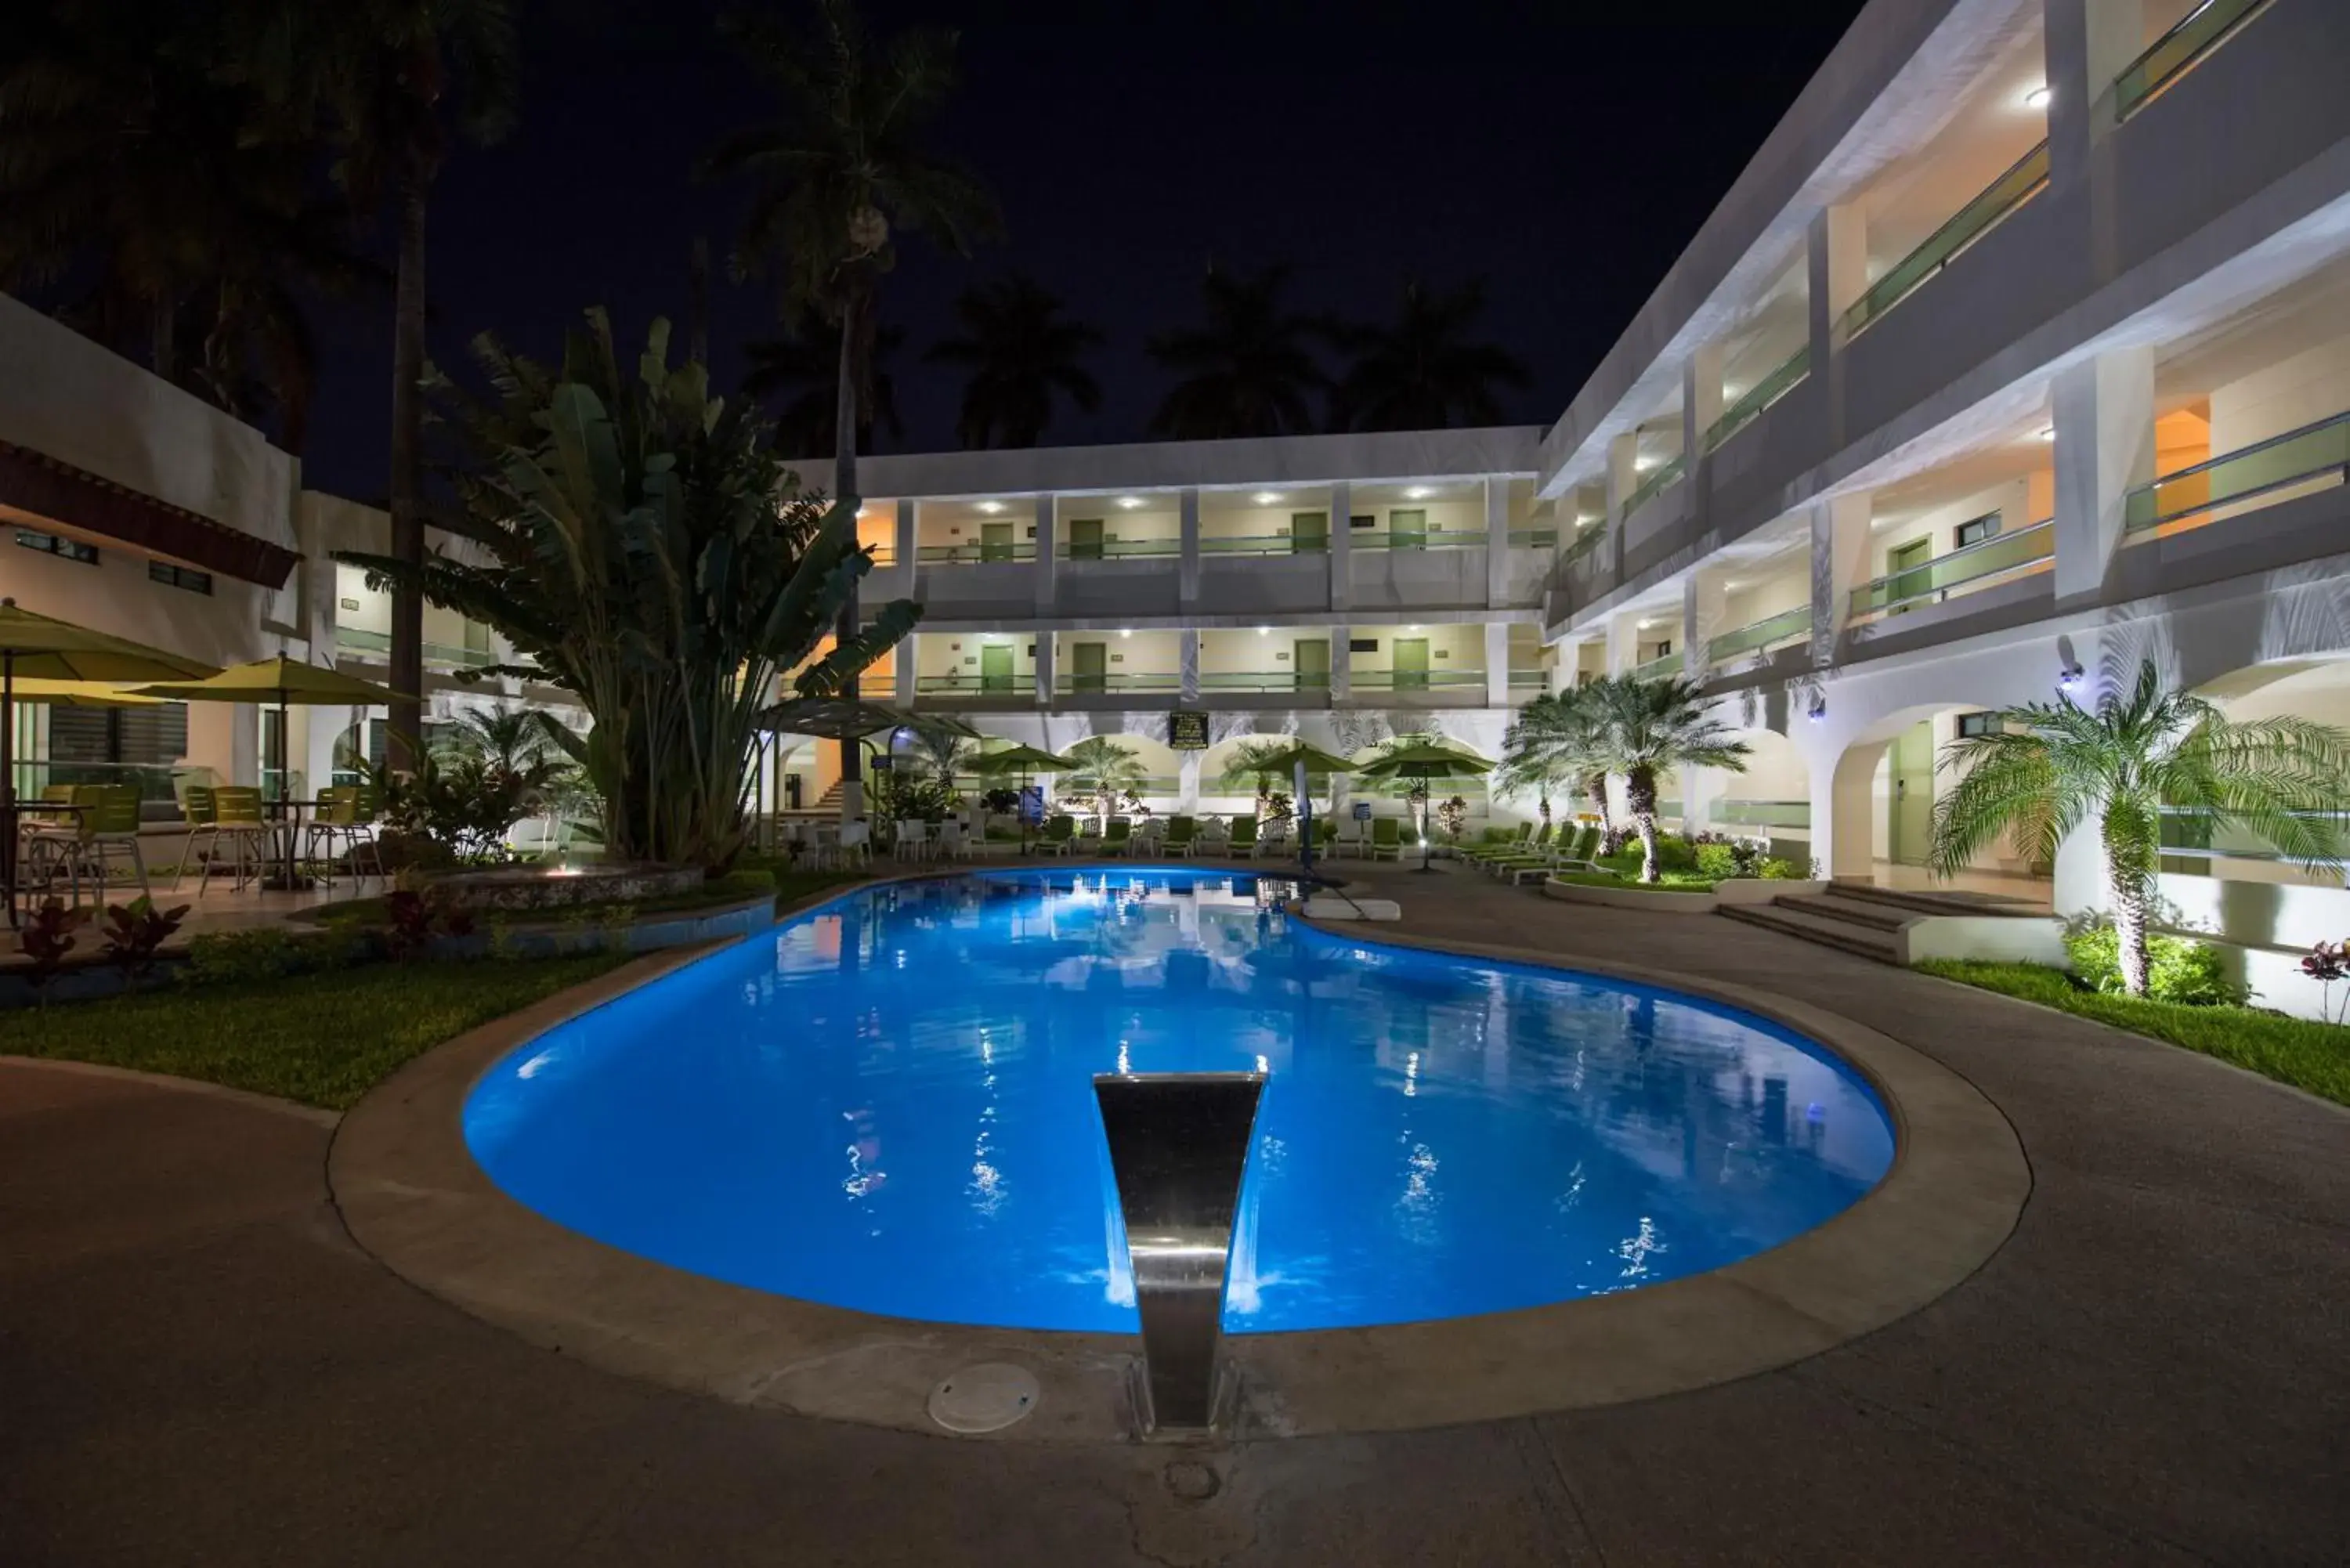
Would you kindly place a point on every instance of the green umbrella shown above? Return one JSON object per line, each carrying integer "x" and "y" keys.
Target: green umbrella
{"x": 41, "y": 647}
{"x": 1421, "y": 762}
{"x": 1303, "y": 760}
{"x": 1022, "y": 760}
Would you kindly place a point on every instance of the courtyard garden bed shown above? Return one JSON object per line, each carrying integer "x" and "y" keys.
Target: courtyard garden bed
{"x": 2304, "y": 1054}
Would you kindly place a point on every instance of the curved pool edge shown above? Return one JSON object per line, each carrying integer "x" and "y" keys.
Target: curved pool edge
{"x": 412, "y": 1196}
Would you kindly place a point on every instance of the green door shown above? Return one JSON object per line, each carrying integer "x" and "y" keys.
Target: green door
{"x": 995, "y": 667}
{"x": 1902, "y": 563}
{"x": 1088, "y": 666}
{"x": 1407, "y": 530}
{"x": 1085, "y": 539}
{"x": 1410, "y": 664}
{"x": 995, "y": 541}
{"x": 1309, "y": 533}
{"x": 1312, "y": 657}
{"x": 1910, "y": 770}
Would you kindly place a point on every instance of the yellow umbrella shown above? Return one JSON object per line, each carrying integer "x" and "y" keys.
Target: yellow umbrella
{"x": 42, "y": 647}
{"x": 82, "y": 694}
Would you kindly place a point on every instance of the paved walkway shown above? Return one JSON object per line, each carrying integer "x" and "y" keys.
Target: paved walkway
{"x": 197, "y": 1366}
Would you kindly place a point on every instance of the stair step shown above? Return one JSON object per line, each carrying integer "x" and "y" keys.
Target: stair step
{"x": 1861, "y": 940}
{"x": 1952, "y": 902}
{"x": 1854, "y": 911}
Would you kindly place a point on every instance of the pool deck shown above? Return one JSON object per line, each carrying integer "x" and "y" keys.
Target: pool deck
{"x": 200, "y": 1366}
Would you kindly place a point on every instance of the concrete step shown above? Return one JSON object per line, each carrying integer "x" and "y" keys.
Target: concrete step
{"x": 1935, "y": 902}
{"x": 1865, "y": 912}
{"x": 1864, "y": 941}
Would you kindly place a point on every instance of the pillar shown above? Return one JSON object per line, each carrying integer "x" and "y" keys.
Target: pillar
{"x": 1497, "y": 664}
{"x": 2080, "y": 873}
{"x": 1187, "y": 571}
{"x": 1837, "y": 274}
{"x": 1341, "y": 550}
{"x": 1047, "y": 565}
{"x": 2086, "y": 45}
{"x": 1623, "y": 642}
{"x": 226, "y": 738}
{"x": 1623, "y": 478}
{"x": 1497, "y": 542}
{"x": 1840, "y": 559}
{"x": 1700, "y": 402}
{"x": 1187, "y": 784}
{"x": 1044, "y": 651}
{"x": 907, "y": 547}
{"x": 902, "y": 670}
{"x": 1187, "y": 657}
{"x": 2105, "y": 449}
{"x": 1342, "y": 666}
{"x": 1703, "y": 605}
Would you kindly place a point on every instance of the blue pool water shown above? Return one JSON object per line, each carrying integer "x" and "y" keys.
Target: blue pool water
{"x": 887, "y": 1105}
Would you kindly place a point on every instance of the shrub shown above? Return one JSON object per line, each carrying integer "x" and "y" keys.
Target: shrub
{"x": 2180, "y": 971}
{"x": 2327, "y": 962}
{"x": 1002, "y": 802}
{"x": 231, "y": 958}
{"x": 1717, "y": 861}
{"x": 46, "y": 938}
{"x": 1773, "y": 870}
{"x": 135, "y": 930}
{"x": 1452, "y": 818}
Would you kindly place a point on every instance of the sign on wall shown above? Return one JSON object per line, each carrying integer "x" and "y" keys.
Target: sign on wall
{"x": 1187, "y": 731}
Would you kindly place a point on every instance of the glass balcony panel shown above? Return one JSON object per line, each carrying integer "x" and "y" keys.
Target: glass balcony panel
{"x": 1772, "y": 632}
{"x": 2170, "y": 56}
{"x": 1533, "y": 538}
{"x": 1762, "y": 812}
{"x": 966, "y": 555}
{"x": 1662, "y": 667}
{"x": 1122, "y": 549}
{"x": 1141, "y": 680}
{"x": 1264, "y": 680}
{"x": 972, "y": 683}
{"x": 1250, "y": 545}
{"x": 1414, "y": 679}
{"x": 2314, "y": 452}
{"x": 1664, "y": 476}
{"x": 1785, "y": 379}
{"x": 437, "y": 654}
{"x": 1995, "y": 556}
{"x": 2021, "y": 181}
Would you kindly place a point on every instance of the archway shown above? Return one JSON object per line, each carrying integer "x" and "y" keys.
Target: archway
{"x": 1882, "y": 793}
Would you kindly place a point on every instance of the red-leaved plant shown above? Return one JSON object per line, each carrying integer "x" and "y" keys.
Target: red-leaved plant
{"x": 46, "y": 938}
{"x": 135, "y": 930}
{"x": 2327, "y": 962}
{"x": 413, "y": 920}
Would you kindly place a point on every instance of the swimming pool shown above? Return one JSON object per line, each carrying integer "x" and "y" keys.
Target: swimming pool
{"x": 887, "y": 1105}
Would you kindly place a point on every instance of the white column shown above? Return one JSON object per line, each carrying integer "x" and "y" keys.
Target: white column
{"x": 2080, "y": 873}
{"x": 1047, "y": 568}
{"x": 902, "y": 670}
{"x": 2105, "y": 449}
{"x": 2085, "y": 45}
{"x": 1187, "y": 655}
{"x": 1044, "y": 651}
{"x": 1623, "y": 642}
{"x": 1623, "y": 478}
{"x": 1341, "y": 667}
{"x": 1497, "y": 543}
{"x": 1341, "y": 548}
{"x": 1840, "y": 554}
{"x": 1700, "y": 402}
{"x": 1187, "y": 573}
{"x": 1497, "y": 664}
{"x": 1187, "y": 784}
{"x": 1704, "y": 602}
{"x": 1565, "y": 658}
{"x": 907, "y": 546}
{"x": 1837, "y": 274}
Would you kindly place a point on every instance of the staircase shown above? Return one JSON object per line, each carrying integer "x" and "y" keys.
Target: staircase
{"x": 1863, "y": 919}
{"x": 828, "y": 802}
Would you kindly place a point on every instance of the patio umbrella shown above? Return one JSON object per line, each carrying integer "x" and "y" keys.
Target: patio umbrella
{"x": 285, "y": 682}
{"x": 1022, "y": 760}
{"x": 1303, "y": 759}
{"x": 849, "y": 718}
{"x": 1421, "y": 761}
{"x": 41, "y": 647}
{"x": 82, "y": 694}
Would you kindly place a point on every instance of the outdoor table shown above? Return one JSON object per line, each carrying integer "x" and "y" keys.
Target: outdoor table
{"x": 288, "y": 882}
{"x": 14, "y": 812}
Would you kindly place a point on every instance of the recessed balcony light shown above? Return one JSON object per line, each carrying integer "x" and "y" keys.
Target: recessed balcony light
{"x": 1264, "y": 631}
{"x": 1643, "y": 464}
{"x": 991, "y": 506}
{"x": 1264, "y": 497}
{"x": 1411, "y": 629}
{"x": 1125, "y": 634}
{"x": 2048, "y": 433}
{"x": 1129, "y": 502}
{"x": 1419, "y": 493}
{"x": 2037, "y": 98}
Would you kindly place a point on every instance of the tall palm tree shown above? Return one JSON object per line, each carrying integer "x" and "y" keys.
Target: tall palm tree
{"x": 946, "y": 751}
{"x": 2045, "y": 768}
{"x": 1250, "y": 765}
{"x": 804, "y": 369}
{"x": 1648, "y": 727}
{"x": 1555, "y": 742}
{"x": 1247, "y": 370}
{"x": 1105, "y": 770}
{"x": 1422, "y": 370}
{"x": 1020, "y": 352}
{"x": 843, "y": 164}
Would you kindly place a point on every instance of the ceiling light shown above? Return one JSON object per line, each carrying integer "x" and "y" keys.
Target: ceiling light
{"x": 1264, "y": 631}
{"x": 1411, "y": 629}
{"x": 1264, "y": 498}
{"x": 991, "y": 506}
{"x": 1418, "y": 492}
{"x": 1129, "y": 502}
{"x": 1125, "y": 634}
{"x": 2036, "y": 98}
{"x": 2048, "y": 433}
{"x": 1647, "y": 624}
{"x": 1642, "y": 465}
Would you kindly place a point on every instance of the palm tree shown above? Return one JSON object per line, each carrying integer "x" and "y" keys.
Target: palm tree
{"x": 1250, "y": 765}
{"x": 945, "y": 751}
{"x": 1105, "y": 770}
{"x": 1421, "y": 371}
{"x": 2045, "y": 768}
{"x": 1646, "y": 727}
{"x": 1555, "y": 742}
{"x": 805, "y": 368}
{"x": 1246, "y": 372}
{"x": 844, "y": 163}
{"x": 1020, "y": 351}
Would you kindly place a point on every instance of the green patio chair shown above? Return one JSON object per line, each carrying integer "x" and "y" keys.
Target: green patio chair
{"x": 1241, "y": 842}
{"x": 204, "y": 822}
{"x": 1182, "y": 837}
{"x": 1058, "y": 833}
{"x": 1536, "y": 851}
{"x": 240, "y": 820}
{"x": 1120, "y": 838}
{"x": 1387, "y": 838}
{"x": 1569, "y": 854}
{"x": 1516, "y": 844}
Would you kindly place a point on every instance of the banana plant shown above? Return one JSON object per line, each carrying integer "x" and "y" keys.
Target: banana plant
{"x": 642, "y": 545}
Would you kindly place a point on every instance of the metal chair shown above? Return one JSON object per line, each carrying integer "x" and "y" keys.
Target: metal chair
{"x": 240, "y": 821}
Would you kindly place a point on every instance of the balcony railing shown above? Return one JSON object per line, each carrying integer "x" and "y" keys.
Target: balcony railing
{"x": 1140, "y": 681}
{"x": 1762, "y": 812}
{"x": 1763, "y": 635}
{"x": 1118, "y": 549}
{"x": 1265, "y": 680}
{"x": 1970, "y": 568}
{"x": 1664, "y": 477}
{"x": 1533, "y": 538}
{"x": 1529, "y": 680}
{"x": 1433, "y": 539}
{"x": 1783, "y": 377}
{"x": 2004, "y": 195}
{"x": 2315, "y": 452}
{"x": 971, "y": 554}
{"x": 1664, "y": 667}
{"x": 2176, "y": 51}
{"x": 437, "y": 654}
{"x": 1021, "y": 685}
{"x": 1415, "y": 679}
{"x": 1263, "y": 544}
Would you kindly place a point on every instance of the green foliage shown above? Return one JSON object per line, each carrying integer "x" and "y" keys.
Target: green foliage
{"x": 1247, "y": 370}
{"x": 1722, "y": 858}
{"x": 2180, "y": 971}
{"x": 1453, "y": 817}
{"x": 1106, "y": 774}
{"x": 268, "y": 953}
{"x": 460, "y": 804}
{"x": 901, "y": 794}
{"x": 134, "y": 931}
{"x": 1021, "y": 353}
{"x": 1717, "y": 860}
{"x": 2303, "y": 1052}
{"x": 645, "y": 549}
{"x": 47, "y": 937}
{"x": 1423, "y": 371}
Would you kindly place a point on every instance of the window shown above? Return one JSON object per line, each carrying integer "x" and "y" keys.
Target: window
{"x": 187, "y": 577}
{"x": 1362, "y": 645}
{"x": 1973, "y": 724}
{"x": 1975, "y": 530}
{"x": 1362, "y": 520}
{"x": 58, "y": 545}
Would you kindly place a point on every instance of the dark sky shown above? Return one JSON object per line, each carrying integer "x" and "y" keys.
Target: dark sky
{"x": 1563, "y": 152}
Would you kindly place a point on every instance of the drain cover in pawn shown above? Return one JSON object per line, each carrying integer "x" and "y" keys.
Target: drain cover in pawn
{"x": 987, "y": 1398}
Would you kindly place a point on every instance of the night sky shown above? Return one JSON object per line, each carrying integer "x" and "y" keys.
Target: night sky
{"x": 1563, "y": 152}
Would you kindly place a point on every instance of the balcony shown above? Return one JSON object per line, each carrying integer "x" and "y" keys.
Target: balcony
{"x": 976, "y": 552}
{"x": 1456, "y": 687}
{"x": 1265, "y": 544}
{"x": 2177, "y": 51}
{"x": 1664, "y": 477}
{"x": 1763, "y": 814}
{"x": 1533, "y": 538}
{"x": 1265, "y": 680}
{"x": 2316, "y": 455}
{"x": 375, "y": 646}
{"x": 1118, "y": 549}
{"x": 1432, "y": 539}
{"x": 1762, "y": 637}
{"x": 1965, "y": 570}
{"x": 975, "y": 690}
{"x": 2024, "y": 180}
{"x": 1067, "y": 683}
{"x": 1785, "y": 378}
{"x": 1664, "y": 667}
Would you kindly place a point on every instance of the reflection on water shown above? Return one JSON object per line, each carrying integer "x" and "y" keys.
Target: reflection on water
{"x": 887, "y": 1106}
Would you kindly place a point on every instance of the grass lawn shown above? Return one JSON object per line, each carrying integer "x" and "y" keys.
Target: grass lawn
{"x": 2308, "y": 1055}
{"x": 322, "y": 1039}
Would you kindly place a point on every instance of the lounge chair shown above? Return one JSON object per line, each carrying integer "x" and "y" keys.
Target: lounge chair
{"x": 1058, "y": 833}
{"x": 1537, "y": 849}
{"x": 1387, "y": 838}
{"x": 1347, "y": 838}
{"x": 1121, "y": 838}
{"x": 1241, "y": 842}
{"x": 1478, "y": 853}
{"x": 1272, "y": 843}
{"x": 1566, "y": 854}
{"x": 1183, "y": 838}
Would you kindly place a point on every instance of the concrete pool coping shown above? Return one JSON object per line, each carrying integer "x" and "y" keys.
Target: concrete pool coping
{"x": 411, "y": 1195}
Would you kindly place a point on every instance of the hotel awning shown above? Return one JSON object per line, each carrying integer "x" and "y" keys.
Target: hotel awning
{"x": 34, "y": 483}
